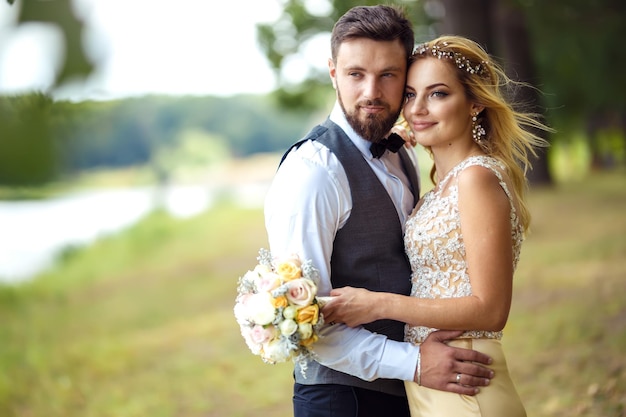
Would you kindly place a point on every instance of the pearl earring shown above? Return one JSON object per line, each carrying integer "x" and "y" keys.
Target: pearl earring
{"x": 478, "y": 131}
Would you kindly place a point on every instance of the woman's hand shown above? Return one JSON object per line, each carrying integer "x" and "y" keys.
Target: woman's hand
{"x": 352, "y": 306}
{"x": 406, "y": 134}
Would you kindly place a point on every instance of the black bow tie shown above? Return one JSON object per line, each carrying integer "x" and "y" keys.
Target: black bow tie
{"x": 393, "y": 143}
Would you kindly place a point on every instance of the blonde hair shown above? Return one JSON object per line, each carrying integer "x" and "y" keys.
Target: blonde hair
{"x": 510, "y": 135}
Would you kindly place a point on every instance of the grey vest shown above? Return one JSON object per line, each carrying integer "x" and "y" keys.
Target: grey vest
{"x": 368, "y": 251}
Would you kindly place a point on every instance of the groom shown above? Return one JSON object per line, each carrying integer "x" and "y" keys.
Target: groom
{"x": 333, "y": 201}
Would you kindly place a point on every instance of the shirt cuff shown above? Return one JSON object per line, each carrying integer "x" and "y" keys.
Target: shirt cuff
{"x": 399, "y": 360}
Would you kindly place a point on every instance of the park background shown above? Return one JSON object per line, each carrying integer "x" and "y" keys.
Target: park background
{"x": 138, "y": 320}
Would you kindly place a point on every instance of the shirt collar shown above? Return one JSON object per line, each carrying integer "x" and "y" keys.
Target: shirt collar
{"x": 338, "y": 117}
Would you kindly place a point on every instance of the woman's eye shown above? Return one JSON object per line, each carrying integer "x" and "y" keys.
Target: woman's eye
{"x": 409, "y": 96}
{"x": 439, "y": 94}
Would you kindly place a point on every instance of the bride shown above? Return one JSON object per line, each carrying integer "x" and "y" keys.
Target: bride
{"x": 464, "y": 237}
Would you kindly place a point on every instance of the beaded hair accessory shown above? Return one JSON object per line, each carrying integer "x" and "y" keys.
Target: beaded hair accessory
{"x": 460, "y": 61}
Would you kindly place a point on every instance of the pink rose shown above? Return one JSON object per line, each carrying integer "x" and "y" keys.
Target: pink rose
{"x": 260, "y": 334}
{"x": 268, "y": 282}
{"x": 246, "y": 332}
{"x": 301, "y": 291}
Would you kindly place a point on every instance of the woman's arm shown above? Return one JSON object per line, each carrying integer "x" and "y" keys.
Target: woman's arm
{"x": 486, "y": 227}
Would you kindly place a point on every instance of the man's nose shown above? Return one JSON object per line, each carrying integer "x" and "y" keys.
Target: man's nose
{"x": 372, "y": 89}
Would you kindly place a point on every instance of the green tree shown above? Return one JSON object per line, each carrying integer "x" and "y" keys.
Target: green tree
{"x": 28, "y": 144}
{"x": 28, "y": 154}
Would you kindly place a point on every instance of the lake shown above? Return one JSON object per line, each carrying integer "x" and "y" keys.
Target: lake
{"x": 33, "y": 232}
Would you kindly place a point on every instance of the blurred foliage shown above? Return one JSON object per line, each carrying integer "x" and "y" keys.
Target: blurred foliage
{"x": 59, "y": 13}
{"x": 42, "y": 139}
{"x": 578, "y": 49}
{"x": 27, "y": 146}
{"x": 28, "y": 140}
{"x": 299, "y": 23}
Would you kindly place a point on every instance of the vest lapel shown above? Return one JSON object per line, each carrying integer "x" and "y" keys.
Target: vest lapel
{"x": 411, "y": 173}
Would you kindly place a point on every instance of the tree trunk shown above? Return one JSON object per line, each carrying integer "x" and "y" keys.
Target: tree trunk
{"x": 469, "y": 18}
{"x": 514, "y": 46}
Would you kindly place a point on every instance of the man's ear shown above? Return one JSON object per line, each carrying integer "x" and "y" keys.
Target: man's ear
{"x": 332, "y": 71}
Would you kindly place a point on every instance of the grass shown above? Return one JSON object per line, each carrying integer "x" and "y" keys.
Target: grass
{"x": 566, "y": 335}
{"x": 141, "y": 323}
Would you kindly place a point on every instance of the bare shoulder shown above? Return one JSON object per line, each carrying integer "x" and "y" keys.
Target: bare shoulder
{"x": 482, "y": 186}
{"x": 477, "y": 177}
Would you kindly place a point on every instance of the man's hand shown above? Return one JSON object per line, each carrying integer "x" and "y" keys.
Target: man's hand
{"x": 441, "y": 364}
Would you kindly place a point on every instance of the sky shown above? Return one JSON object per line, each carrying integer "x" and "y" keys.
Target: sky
{"x": 197, "y": 47}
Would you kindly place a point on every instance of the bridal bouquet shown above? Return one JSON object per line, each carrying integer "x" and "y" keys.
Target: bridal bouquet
{"x": 277, "y": 309}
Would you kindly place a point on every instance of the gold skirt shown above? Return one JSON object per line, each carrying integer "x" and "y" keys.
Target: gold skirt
{"x": 498, "y": 399}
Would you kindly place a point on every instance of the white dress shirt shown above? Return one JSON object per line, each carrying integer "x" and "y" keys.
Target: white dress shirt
{"x": 308, "y": 202}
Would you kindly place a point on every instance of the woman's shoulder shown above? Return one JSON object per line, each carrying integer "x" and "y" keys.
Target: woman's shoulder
{"x": 484, "y": 175}
{"x": 481, "y": 168}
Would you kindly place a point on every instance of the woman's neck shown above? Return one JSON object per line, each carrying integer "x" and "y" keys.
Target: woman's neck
{"x": 446, "y": 158}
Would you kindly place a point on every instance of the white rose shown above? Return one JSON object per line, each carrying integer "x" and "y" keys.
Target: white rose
{"x": 290, "y": 312}
{"x": 288, "y": 327}
{"x": 241, "y": 312}
{"x": 305, "y": 330}
{"x": 263, "y": 270}
{"x": 251, "y": 276}
{"x": 260, "y": 308}
{"x": 274, "y": 351}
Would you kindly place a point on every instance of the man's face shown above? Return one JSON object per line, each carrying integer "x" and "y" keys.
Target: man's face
{"x": 369, "y": 77}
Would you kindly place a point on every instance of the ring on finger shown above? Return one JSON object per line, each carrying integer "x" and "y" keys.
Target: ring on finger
{"x": 458, "y": 378}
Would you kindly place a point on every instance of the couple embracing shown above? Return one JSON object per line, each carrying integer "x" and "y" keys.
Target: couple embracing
{"x": 399, "y": 266}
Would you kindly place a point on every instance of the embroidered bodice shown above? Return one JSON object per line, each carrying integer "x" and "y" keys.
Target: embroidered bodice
{"x": 435, "y": 247}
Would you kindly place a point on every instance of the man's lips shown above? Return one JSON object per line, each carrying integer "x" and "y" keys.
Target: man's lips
{"x": 373, "y": 109}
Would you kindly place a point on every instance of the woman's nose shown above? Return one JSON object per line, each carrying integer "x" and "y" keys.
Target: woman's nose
{"x": 416, "y": 106}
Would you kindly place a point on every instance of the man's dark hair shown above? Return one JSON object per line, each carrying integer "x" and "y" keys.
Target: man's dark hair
{"x": 379, "y": 23}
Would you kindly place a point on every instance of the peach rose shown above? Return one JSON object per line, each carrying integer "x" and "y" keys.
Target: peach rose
{"x": 301, "y": 291}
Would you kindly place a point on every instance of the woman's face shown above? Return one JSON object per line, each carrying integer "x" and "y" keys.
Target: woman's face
{"x": 436, "y": 107}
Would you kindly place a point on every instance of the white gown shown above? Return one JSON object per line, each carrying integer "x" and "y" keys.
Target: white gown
{"x": 435, "y": 247}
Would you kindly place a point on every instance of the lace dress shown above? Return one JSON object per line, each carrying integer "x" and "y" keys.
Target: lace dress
{"x": 436, "y": 251}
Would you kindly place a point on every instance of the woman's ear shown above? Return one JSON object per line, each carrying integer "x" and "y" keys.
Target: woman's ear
{"x": 476, "y": 109}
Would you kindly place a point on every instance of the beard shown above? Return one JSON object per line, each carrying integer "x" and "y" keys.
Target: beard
{"x": 371, "y": 127}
